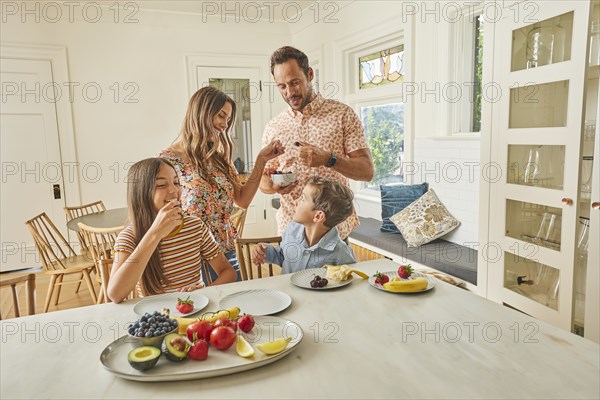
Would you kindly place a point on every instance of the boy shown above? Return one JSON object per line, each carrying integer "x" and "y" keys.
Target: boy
{"x": 311, "y": 239}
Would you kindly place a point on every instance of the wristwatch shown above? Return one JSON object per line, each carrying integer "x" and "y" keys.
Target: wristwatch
{"x": 332, "y": 160}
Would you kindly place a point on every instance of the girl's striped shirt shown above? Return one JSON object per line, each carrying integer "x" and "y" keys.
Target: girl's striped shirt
{"x": 181, "y": 255}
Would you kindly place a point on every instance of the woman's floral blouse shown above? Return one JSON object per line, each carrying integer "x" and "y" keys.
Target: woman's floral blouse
{"x": 213, "y": 204}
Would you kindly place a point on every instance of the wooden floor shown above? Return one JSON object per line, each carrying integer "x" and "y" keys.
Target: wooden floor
{"x": 68, "y": 297}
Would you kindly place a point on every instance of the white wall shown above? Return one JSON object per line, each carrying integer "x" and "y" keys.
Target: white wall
{"x": 149, "y": 56}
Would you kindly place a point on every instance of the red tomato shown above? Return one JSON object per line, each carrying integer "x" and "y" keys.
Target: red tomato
{"x": 222, "y": 337}
{"x": 202, "y": 330}
{"x": 227, "y": 322}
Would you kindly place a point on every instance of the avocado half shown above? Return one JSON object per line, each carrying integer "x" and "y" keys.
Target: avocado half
{"x": 175, "y": 347}
{"x": 143, "y": 358}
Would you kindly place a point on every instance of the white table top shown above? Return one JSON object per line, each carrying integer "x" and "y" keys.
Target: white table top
{"x": 364, "y": 349}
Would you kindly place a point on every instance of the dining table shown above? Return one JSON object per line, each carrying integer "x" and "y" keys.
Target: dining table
{"x": 112, "y": 218}
{"x": 359, "y": 342}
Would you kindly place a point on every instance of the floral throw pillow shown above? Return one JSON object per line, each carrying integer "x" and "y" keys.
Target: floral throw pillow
{"x": 424, "y": 220}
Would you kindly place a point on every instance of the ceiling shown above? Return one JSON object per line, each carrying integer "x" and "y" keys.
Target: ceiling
{"x": 279, "y": 10}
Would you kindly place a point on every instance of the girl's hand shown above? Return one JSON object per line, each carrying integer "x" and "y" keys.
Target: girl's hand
{"x": 258, "y": 254}
{"x": 272, "y": 150}
{"x": 191, "y": 288}
{"x": 168, "y": 219}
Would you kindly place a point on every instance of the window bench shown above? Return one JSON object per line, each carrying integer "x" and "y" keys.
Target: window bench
{"x": 369, "y": 243}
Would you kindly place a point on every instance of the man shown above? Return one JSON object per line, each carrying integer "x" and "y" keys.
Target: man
{"x": 322, "y": 138}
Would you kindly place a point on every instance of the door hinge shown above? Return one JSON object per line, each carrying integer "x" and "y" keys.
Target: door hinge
{"x": 265, "y": 214}
{"x": 260, "y": 85}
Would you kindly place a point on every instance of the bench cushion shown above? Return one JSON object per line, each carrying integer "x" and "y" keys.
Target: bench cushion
{"x": 441, "y": 255}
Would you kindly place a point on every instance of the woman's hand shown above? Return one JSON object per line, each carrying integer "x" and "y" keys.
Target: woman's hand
{"x": 168, "y": 219}
{"x": 258, "y": 254}
{"x": 191, "y": 288}
{"x": 271, "y": 151}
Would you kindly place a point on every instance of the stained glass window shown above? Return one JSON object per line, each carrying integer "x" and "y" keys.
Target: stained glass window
{"x": 381, "y": 68}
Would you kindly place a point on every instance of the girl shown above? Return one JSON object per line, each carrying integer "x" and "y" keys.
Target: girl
{"x": 202, "y": 156}
{"x": 162, "y": 248}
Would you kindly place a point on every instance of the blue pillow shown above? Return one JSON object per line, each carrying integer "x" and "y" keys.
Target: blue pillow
{"x": 395, "y": 198}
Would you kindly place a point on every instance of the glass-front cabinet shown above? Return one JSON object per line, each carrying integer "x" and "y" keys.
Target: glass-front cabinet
{"x": 544, "y": 208}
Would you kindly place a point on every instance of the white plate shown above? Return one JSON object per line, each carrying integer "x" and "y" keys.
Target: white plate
{"x": 302, "y": 279}
{"x": 257, "y": 301}
{"x": 394, "y": 274}
{"x": 114, "y": 356}
{"x": 169, "y": 300}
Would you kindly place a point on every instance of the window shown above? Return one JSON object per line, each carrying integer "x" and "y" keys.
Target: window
{"x": 384, "y": 129}
{"x": 467, "y": 47}
{"x": 477, "y": 74}
{"x": 381, "y": 68}
{"x": 375, "y": 72}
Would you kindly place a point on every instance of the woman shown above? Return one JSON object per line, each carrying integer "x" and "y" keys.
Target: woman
{"x": 162, "y": 249}
{"x": 202, "y": 156}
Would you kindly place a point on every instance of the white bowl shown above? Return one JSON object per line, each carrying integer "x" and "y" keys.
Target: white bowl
{"x": 284, "y": 179}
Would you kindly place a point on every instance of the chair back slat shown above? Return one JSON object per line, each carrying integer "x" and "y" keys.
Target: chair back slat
{"x": 51, "y": 244}
{"x": 238, "y": 219}
{"x": 244, "y": 249}
{"x": 14, "y": 284}
{"x": 80, "y": 211}
{"x": 101, "y": 242}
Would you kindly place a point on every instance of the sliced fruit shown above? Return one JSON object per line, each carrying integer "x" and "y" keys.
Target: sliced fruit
{"x": 175, "y": 347}
{"x": 243, "y": 348}
{"x": 274, "y": 347}
{"x": 411, "y": 285}
{"x": 143, "y": 358}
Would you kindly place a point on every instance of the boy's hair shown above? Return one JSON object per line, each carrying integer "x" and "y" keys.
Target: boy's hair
{"x": 333, "y": 198}
{"x": 286, "y": 53}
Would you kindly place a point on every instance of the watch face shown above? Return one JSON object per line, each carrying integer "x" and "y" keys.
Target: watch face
{"x": 332, "y": 160}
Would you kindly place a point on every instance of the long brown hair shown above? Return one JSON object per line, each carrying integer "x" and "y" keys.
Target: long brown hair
{"x": 141, "y": 183}
{"x": 198, "y": 132}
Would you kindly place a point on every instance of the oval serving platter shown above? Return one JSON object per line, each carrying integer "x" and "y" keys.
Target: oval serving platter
{"x": 267, "y": 328}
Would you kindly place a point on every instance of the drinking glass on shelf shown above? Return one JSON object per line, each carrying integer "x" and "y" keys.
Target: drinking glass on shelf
{"x": 586, "y": 174}
{"x": 584, "y": 236}
{"x": 549, "y": 230}
{"x": 532, "y": 168}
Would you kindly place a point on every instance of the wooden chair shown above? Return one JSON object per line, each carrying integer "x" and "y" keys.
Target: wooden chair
{"x": 29, "y": 281}
{"x": 243, "y": 248}
{"x": 101, "y": 242}
{"x": 80, "y": 211}
{"x": 238, "y": 218}
{"x": 58, "y": 258}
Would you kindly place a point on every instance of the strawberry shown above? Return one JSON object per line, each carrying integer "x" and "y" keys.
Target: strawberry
{"x": 246, "y": 323}
{"x": 405, "y": 271}
{"x": 185, "y": 306}
{"x": 380, "y": 278}
{"x": 199, "y": 351}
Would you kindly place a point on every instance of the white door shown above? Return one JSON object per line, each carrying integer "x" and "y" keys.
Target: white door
{"x": 32, "y": 180}
{"x": 244, "y": 86}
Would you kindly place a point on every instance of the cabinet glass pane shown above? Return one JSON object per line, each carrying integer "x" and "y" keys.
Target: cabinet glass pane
{"x": 532, "y": 279}
{"x": 534, "y": 223}
{"x": 539, "y": 106}
{"x": 536, "y": 165}
{"x": 543, "y": 43}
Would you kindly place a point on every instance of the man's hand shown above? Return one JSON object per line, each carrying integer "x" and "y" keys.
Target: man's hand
{"x": 310, "y": 155}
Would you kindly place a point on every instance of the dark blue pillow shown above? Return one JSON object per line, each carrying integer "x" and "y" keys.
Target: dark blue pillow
{"x": 395, "y": 198}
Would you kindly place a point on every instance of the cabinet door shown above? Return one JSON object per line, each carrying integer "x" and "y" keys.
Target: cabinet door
{"x": 539, "y": 70}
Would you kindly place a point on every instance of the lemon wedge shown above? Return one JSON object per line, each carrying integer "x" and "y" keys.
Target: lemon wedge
{"x": 243, "y": 348}
{"x": 274, "y": 347}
